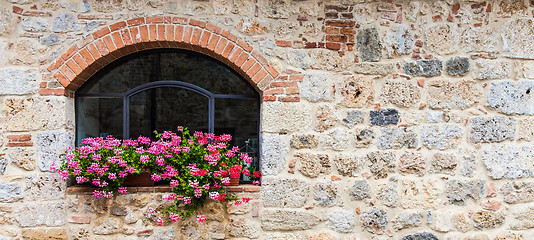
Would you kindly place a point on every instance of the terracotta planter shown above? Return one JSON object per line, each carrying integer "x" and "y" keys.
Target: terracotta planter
{"x": 234, "y": 182}
{"x": 142, "y": 179}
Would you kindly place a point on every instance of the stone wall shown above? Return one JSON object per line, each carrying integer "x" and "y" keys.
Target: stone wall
{"x": 380, "y": 119}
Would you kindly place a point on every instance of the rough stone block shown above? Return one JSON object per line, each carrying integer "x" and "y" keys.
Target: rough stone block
{"x": 384, "y": 117}
{"x": 364, "y": 136}
{"x": 341, "y": 221}
{"x": 518, "y": 192}
{"x": 478, "y": 39}
{"x": 399, "y": 92}
{"x": 312, "y": 165}
{"x": 397, "y": 137}
{"x": 52, "y": 147}
{"x": 509, "y": 161}
{"x": 446, "y": 94}
{"x": 443, "y": 136}
{"x": 51, "y": 214}
{"x": 19, "y": 81}
{"x": 442, "y": 38}
{"x": 492, "y": 129}
{"x": 44, "y": 233}
{"x": 400, "y": 41}
{"x": 304, "y": 141}
{"x": 358, "y": 92}
{"x": 458, "y": 191}
{"x": 360, "y": 190}
{"x": 433, "y": 116}
{"x": 34, "y": 24}
{"x": 420, "y": 236}
{"x": 491, "y": 69}
{"x": 381, "y": 163}
{"x": 353, "y": 117}
{"x": 369, "y": 44}
{"x": 326, "y": 59}
{"x": 412, "y": 163}
{"x": 457, "y": 66}
{"x": 284, "y": 192}
{"x": 337, "y": 139}
{"x": 518, "y": 38}
{"x": 65, "y": 22}
{"x": 327, "y": 194}
{"x": 22, "y": 157}
{"x": 387, "y": 193}
{"x": 243, "y": 227}
{"x": 23, "y": 114}
{"x": 444, "y": 163}
{"x": 348, "y": 165}
{"x": 107, "y": 226}
{"x": 524, "y": 69}
{"x": 282, "y": 117}
{"x": 374, "y": 220}
{"x": 428, "y": 68}
{"x": 167, "y": 234}
{"x": 372, "y": 68}
{"x": 10, "y": 192}
{"x": 273, "y": 154}
{"x": 287, "y": 220}
{"x": 325, "y": 118}
{"x": 487, "y": 219}
{"x": 316, "y": 86}
{"x": 45, "y": 187}
{"x": 407, "y": 220}
{"x": 526, "y": 127}
{"x": 512, "y": 97}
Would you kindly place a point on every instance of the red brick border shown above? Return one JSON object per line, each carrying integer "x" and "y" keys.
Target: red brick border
{"x": 81, "y": 61}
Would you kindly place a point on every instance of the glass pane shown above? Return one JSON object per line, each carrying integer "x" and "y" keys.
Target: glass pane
{"x": 166, "y": 108}
{"x": 98, "y": 117}
{"x": 122, "y": 75}
{"x": 204, "y": 72}
{"x": 239, "y": 117}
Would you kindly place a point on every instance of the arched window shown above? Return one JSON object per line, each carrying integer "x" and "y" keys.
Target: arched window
{"x": 162, "y": 89}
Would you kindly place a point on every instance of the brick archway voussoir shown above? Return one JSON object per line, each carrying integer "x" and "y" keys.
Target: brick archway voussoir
{"x": 75, "y": 66}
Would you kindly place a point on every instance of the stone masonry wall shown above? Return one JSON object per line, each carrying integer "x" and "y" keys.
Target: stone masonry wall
{"x": 381, "y": 119}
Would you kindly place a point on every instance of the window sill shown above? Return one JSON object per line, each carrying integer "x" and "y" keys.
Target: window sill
{"x": 158, "y": 189}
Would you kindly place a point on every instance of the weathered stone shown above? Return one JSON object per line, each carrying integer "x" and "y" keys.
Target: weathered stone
{"x": 491, "y": 69}
{"x": 193, "y": 230}
{"x": 50, "y": 214}
{"x": 381, "y": 163}
{"x": 518, "y": 192}
{"x": 457, "y": 66}
{"x": 429, "y": 68}
{"x": 360, "y": 190}
{"x": 273, "y": 154}
{"x": 358, "y": 92}
{"x": 384, "y": 117}
{"x": 312, "y": 165}
{"x": 243, "y": 227}
{"x": 10, "y": 192}
{"x": 24, "y": 52}
{"x": 411, "y": 118}
{"x": 524, "y": 69}
{"x": 131, "y": 218}
{"x": 447, "y": 94}
{"x": 372, "y": 68}
{"x": 400, "y": 92}
{"x": 52, "y": 147}
{"x": 325, "y": 118}
{"x": 284, "y": 192}
{"x": 443, "y": 136}
{"x": 444, "y": 163}
{"x": 107, "y": 226}
{"x": 509, "y": 161}
{"x": 387, "y": 193}
{"x": 526, "y": 127}
{"x": 319, "y": 236}
{"x": 287, "y": 220}
{"x": 3, "y": 165}
{"x": 341, "y": 221}
{"x": 420, "y": 236}
{"x": 400, "y": 41}
{"x": 523, "y": 218}
{"x": 45, "y": 187}
{"x": 433, "y": 116}
{"x": 374, "y": 220}
{"x": 34, "y": 24}
{"x": 65, "y": 22}
{"x": 369, "y": 44}
{"x": 282, "y": 117}
{"x": 442, "y": 38}
{"x": 509, "y": 235}
{"x": 459, "y": 191}
{"x": 407, "y": 220}
{"x": 353, "y": 117}
{"x": 348, "y": 165}
{"x": 337, "y": 139}
{"x": 284, "y": 236}
{"x": 364, "y": 137}
{"x": 327, "y": 194}
{"x": 492, "y": 129}
{"x": 167, "y": 234}
{"x": 304, "y": 141}
{"x": 517, "y": 36}
{"x": 397, "y": 137}
{"x": 316, "y": 86}
{"x": 7, "y": 20}
{"x": 477, "y": 39}
{"x": 118, "y": 211}
{"x": 325, "y": 59}
{"x": 487, "y": 219}
{"x": 23, "y": 114}
{"x": 412, "y": 163}
{"x": 44, "y": 233}
{"x": 50, "y": 40}
{"x": 469, "y": 163}
{"x": 22, "y": 157}
{"x": 512, "y": 97}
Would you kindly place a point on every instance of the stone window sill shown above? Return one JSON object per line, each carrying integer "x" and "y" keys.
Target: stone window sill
{"x": 157, "y": 189}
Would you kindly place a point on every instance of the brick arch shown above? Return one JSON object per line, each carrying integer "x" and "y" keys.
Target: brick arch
{"x": 75, "y": 66}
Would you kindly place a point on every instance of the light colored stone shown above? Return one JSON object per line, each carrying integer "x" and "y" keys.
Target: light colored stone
{"x": 458, "y": 191}
{"x": 312, "y": 165}
{"x": 34, "y": 24}
{"x": 45, "y": 187}
{"x": 304, "y": 141}
{"x": 10, "y": 192}
{"x": 327, "y": 194}
{"x": 325, "y": 118}
{"x": 107, "y": 226}
{"x": 374, "y": 220}
{"x": 442, "y": 38}
{"x": 518, "y": 36}
{"x": 478, "y": 39}
{"x": 52, "y": 148}
{"x": 486, "y": 219}
{"x": 360, "y": 190}
{"x": 357, "y": 91}
{"x": 22, "y": 157}
{"x": 373, "y": 68}
{"x": 363, "y": 137}
{"x": 7, "y": 20}
{"x": 492, "y": 129}
{"x": 523, "y": 69}
{"x": 44, "y": 233}
{"x": 491, "y": 69}
{"x": 523, "y": 218}
{"x": 400, "y": 41}
{"x": 284, "y": 192}
{"x": 412, "y": 163}
{"x": 341, "y": 221}
{"x": 287, "y": 220}
{"x": 337, "y": 139}
{"x": 452, "y": 94}
{"x": 353, "y": 117}
{"x": 24, "y": 114}
{"x": 444, "y": 136}
{"x": 19, "y": 81}
{"x": 397, "y": 137}
{"x": 273, "y": 154}
{"x": 51, "y": 214}
{"x": 407, "y": 220}
{"x": 526, "y": 127}
{"x": 280, "y": 117}
{"x": 243, "y": 227}
{"x": 509, "y": 161}
{"x": 320, "y": 236}
{"x": 512, "y": 97}
{"x": 433, "y": 116}
{"x": 400, "y": 92}
{"x": 518, "y": 192}
{"x": 317, "y": 86}
{"x": 387, "y": 193}
{"x": 348, "y": 165}
{"x": 23, "y": 53}
{"x": 443, "y": 163}
{"x": 442, "y": 221}
{"x": 381, "y": 163}
{"x": 282, "y": 236}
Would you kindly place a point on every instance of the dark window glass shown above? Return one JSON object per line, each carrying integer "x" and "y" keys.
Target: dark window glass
{"x": 99, "y": 117}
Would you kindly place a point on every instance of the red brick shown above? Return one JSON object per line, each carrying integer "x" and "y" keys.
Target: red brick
{"x": 241, "y": 60}
{"x": 43, "y": 84}
{"x": 161, "y": 32}
{"x": 117, "y": 39}
{"x": 228, "y": 49}
{"x": 198, "y": 23}
{"x": 69, "y": 53}
{"x": 333, "y": 46}
{"x": 143, "y": 31}
{"x": 230, "y": 36}
{"x": 220, "y": 46}
{"x": 339, "y": 8}
{"x": 259, "y": 57}
{"x": 52, "y": 92}
{"x": 310, "y": 45}
{"x": 284, "y": 84}
{"x": 282, "y": 43}
{"x": 153, "y": 33}
{"x": 147, "y": 232}
{"x": 336, "y": 38}
{"x": 37, "y": 13}
{"x": 269, "y": 98}
{"x": 117, "y": 26}
{"x": 195, "y": 38}
{"x": 331, "y": 30}
{"x": 244, "y": 45}
{"x": 235, "y": 54}
{"x": 109, "y": 43}
{"x": 187, "y": 34}
{"x": 178, "y": 33}
{"x": 213, "y": 28}
{"x": 80, "y": 61}
{"x": 22, "y": 144}
{"x": 253, "y": 70}
{"x": 55, "y": 64}
{"x": 19, "y": 138}
{"x": 251, "y": 188}
{"x": 126, "y": 38}
{"x": 289, "y": 99}
{"x": 259, "y": 76}
{"x": 271, "y": 70}
{"x": 101, "y": 46}
{"x": 274, "y": 91}
{"x": 179, "y": 20}
{"x": 204, "y": 40}
{"x": 154, "y": 19}
{"x": 234, "y": 188}
{"x": 67, "y": 72}
{"x": 136, "y": 21}
{"x": 101, "y": 32}
{"x": 80, "y": 219}
{"x": 348, "y": 31}
{"x": 299, "y": 77}
{"x": 61, "y": 78}
{"x": 340, "y": 23}
{"x": 292, "y": 91}
{"x": 17, "y": 10}
{"x": 87, "y": 57}
{"x": 135, "y": 34}
{"x": 169, "y": 33}
{"x": 213, "y": 42}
